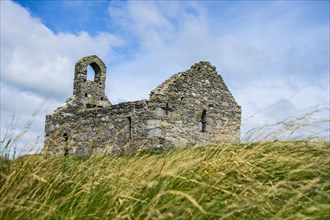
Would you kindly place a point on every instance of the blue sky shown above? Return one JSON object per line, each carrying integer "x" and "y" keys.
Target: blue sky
{"x": 71, "y": 16}
{"x": 273, "y": 55}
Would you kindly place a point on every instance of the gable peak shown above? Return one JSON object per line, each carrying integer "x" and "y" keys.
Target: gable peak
{"x": 202, "y": 65}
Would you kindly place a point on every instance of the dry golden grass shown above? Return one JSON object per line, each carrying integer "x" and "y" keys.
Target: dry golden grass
{"x": 255, "y": 180}
{"x": 270, "y": 180}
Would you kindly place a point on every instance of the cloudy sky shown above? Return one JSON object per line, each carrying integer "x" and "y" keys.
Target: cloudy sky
{"x": 273, "y": 55}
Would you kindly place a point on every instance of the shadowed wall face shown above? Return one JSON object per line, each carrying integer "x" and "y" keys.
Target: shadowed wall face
{"x": 193, "y": 107}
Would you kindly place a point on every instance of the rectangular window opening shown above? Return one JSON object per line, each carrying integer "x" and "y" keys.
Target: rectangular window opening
{"x": 129, "y": 128}
{"x": 203, "y": 120}
{"x": 166, "y": 109}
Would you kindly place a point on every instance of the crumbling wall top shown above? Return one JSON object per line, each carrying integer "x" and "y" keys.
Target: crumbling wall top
{"x": 201, "y": 78}
{"x": 87, "y": 94}
{"x": 80, "y": 74}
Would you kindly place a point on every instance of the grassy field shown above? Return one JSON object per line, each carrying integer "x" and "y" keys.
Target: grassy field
{"x": 271, "y": 180}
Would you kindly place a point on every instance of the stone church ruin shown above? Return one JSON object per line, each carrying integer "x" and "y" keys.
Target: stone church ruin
{"x": 193, "y": 107}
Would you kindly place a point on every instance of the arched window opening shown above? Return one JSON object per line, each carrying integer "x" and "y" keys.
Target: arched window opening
{"x": 90, "y": 73}
{"x": 203, "y": 120}
{"x": 93, "y": 71}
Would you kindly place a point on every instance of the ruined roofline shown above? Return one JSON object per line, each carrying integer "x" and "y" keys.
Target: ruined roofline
{"x": 204, "y": 68}
{"x": 121, "y": 105}
{"x": 197, "y": 66}
{"x": 81, "y": 65}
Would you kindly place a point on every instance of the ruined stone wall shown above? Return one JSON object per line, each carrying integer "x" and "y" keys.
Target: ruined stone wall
{"x": 109, "y": 130}
{"x": 191, "y": 107}
{"x": 201, "y": 108}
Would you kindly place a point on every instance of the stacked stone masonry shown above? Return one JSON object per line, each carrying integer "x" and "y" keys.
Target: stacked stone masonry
{"x": 193, "y": 107}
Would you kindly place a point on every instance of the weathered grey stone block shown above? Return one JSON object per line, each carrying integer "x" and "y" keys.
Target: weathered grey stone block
{"x": 152, "y": 123}
{"x": 155, "y": 133}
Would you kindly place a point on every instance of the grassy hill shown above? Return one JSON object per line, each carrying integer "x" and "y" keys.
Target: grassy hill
{"x": 272, "y": 180}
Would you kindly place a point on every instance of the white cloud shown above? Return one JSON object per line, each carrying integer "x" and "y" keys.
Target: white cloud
{"x": 265, "y": 57}
{"x": 33, "y": 55}
{"x": 37, "y": 66}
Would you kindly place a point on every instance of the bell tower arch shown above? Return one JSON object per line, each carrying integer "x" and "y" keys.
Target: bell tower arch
{"x": 90, "y": 94}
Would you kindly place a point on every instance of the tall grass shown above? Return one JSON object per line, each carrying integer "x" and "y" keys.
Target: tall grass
{"x": 276, "y": 180}
{"x": 269, "y": 179}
